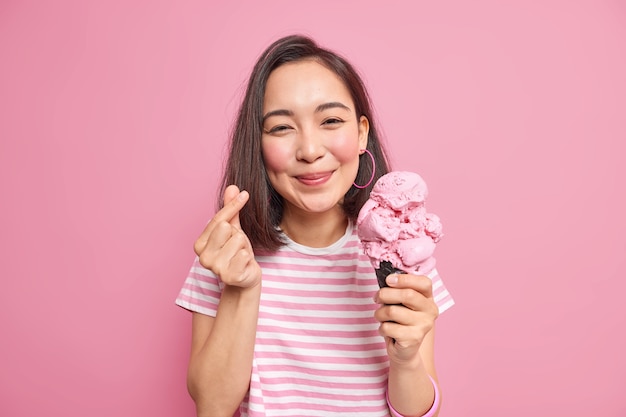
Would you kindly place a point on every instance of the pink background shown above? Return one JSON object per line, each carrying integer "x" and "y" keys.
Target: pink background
{"x": 113, "y": 118}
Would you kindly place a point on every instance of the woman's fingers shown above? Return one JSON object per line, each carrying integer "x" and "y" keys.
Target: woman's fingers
{"x": 234, "y": 200}
{"x": 224, "y": 248}
{"x": 419, "y": 283}
{"x": 408, "y": 311}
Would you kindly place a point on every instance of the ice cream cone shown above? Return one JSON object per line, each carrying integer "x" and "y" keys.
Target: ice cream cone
{"x": 395, "y": 230}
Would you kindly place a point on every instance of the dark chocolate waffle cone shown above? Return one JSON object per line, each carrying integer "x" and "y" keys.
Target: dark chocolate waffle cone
{"x": 383, "y": 270}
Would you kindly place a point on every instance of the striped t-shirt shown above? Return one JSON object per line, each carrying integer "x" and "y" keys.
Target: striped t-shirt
{"x": 317, "y": 351}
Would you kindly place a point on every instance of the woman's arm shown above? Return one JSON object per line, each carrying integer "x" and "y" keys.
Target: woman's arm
{"x": 410, "y": 387}
{"x": 222, "y": 347}
{"x": 221, "y": 352}
{"x": 408, "y": 323}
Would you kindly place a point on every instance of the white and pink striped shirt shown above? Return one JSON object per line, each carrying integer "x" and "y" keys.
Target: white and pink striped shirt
{"x": 317, "y": 350}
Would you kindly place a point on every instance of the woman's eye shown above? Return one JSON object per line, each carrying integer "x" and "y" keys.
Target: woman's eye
{"x": 332, "y": 121}
{"x": 278, "y": 129}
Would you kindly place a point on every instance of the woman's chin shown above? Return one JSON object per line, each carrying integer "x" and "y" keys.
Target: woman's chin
{"x": 317, "y": 206}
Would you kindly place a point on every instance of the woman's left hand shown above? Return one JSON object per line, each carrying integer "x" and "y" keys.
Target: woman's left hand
{"x": 408, "y": 312}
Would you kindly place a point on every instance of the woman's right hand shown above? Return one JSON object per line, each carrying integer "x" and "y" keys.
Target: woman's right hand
{"x": 224, "y": 248}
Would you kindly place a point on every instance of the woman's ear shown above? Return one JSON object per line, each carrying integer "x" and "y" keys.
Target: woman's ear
{"x": 364, "y": 130}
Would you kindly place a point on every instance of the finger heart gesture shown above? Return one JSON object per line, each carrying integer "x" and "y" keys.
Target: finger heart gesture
{"x": 224, "y": 248}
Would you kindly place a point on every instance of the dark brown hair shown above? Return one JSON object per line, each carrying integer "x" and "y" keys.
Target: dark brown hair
{"x": 245, "y": 167}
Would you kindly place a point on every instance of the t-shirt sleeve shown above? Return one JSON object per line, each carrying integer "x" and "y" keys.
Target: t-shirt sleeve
{"x": 201, "y": 291}
{"x": 442, "y": 297}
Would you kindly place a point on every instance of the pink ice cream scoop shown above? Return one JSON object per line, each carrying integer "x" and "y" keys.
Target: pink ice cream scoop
{"x": 396, "y": 231}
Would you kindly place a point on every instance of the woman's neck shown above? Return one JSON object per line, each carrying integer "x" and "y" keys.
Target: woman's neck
{"x": 317, "y": 230}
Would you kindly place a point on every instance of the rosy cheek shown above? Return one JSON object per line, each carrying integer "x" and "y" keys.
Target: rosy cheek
{"x": 275, "y": 156}
{"x": 345, "y": 148}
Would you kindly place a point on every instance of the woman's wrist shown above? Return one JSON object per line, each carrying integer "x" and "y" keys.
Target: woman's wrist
{"x": 243, "y": 295}
{"x": 433, "y": 408}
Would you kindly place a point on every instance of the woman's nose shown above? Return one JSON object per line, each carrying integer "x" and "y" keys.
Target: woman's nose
{"x": 310, "y": 147}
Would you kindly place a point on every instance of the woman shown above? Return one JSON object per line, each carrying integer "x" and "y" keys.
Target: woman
{"x": 287, "y": 315}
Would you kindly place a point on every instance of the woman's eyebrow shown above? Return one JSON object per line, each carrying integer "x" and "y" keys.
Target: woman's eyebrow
{"x": 331, "y": 105}
{"x": 280, "y": 112}
{"x": 318, "y": 109}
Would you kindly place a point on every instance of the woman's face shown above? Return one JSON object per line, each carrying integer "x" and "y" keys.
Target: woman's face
{"x": 311, "y": 136}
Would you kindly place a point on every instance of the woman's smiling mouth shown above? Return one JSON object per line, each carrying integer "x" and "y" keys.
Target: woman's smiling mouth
{"x": 316, "y": 178}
